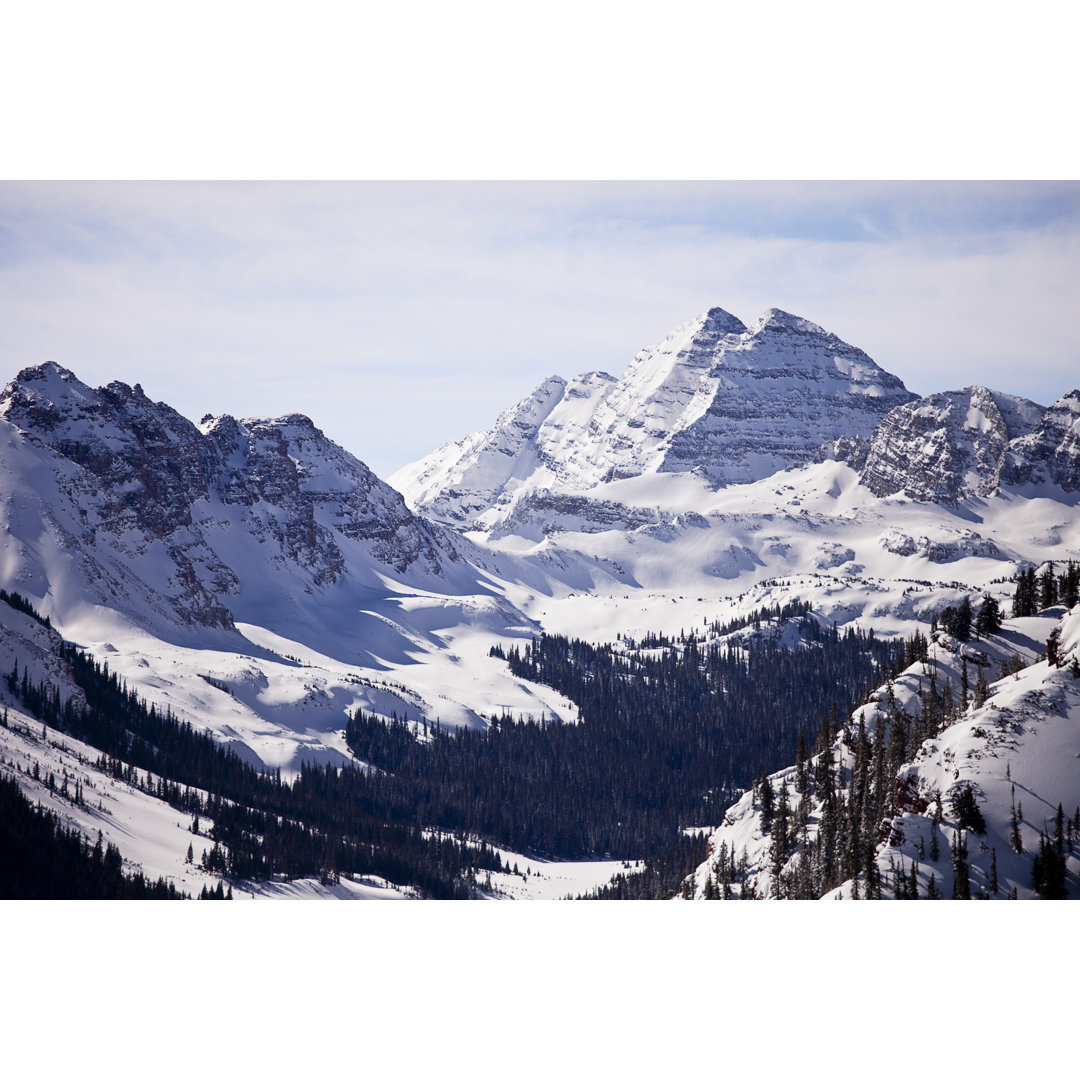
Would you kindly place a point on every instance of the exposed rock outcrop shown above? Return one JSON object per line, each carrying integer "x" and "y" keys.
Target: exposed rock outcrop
{"x": 152, "y": 507}
{"x": 947, "y": 446}
{"x": 1051, "y": 452}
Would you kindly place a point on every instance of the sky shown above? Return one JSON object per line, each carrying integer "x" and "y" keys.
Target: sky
{"x": 402, "y": 315}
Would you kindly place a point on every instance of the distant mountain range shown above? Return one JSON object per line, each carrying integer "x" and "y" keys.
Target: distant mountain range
{"x": 736, "y": 405}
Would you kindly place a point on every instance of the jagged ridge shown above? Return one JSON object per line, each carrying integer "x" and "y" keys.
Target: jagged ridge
{"x": 118, "y": 482}
{"x": 731, "y": 403}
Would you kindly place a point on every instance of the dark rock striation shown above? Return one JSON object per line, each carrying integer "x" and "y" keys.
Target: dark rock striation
{"x": 947, "y": 446}
{"x": 151, "y": 506}
{"x": 1051, "y": 452}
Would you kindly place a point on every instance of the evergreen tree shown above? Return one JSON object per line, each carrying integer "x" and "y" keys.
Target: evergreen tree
{"x": 873, "y": 874}
{"x": 1053, "y": 647}
{"x": 802, "y": 772}
{"x": 1014, "y": 826}
{"x": 1048, "y": 593}
{"x": 768, "y": 803}
{"x": 982, "y": 689}
{"x": 964, "y": 620}
{"x": 782, "y": 821}
{"x": 957, "y": 620}
{"x": 966, "y": 811}
{"x": 1069, "y": 585}
{"x": 1048, "y": 871}
{"x": 989, "y": 620}
{"x": 961, "y": 873}
{"x": 1025, "y": 602}
{"x": 935, "y": 821}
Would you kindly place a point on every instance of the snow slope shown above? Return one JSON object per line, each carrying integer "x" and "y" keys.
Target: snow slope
{"x": 1022, "y": 747}
{"x": 154, "y": 837}
{"x": 256, "y": 553}
{"x": 260, "y": 555}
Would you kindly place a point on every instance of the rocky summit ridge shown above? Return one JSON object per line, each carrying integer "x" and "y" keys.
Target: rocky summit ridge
{"x": 947, "y": 446}
{"x": 731, "y": 403}
{"x": 140, "y": 502}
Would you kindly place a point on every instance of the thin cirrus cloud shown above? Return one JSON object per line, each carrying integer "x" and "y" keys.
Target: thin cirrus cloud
{"x": 400, "y": 316}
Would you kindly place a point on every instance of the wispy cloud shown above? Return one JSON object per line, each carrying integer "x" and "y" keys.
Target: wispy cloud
{"x": 403, "y": 315}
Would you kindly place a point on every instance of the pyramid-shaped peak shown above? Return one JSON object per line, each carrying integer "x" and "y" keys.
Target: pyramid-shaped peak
{"x": 44, "y": 372}
{"x": 46, "y": 375}
{"x": 718, "y": 321}
{"x": 777, "y": 319}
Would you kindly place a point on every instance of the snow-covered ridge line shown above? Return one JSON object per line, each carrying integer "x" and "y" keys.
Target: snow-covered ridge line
{"x": 735, "y": 404}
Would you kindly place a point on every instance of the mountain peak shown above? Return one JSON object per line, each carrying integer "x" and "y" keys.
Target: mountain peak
{"x": 717, "y": 320}
{"x": 1051, "y": 451}
{"x": 713, "y": 399}
{"x": 48, "y": 382}
{"x": 694, "y": 342}
{"x": 946, "y": 446}
{"x": 777, "y": 319}
{"x": 49, "y": 371}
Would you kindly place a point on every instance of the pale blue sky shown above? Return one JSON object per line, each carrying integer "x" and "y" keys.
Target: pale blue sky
{"x": 402, "y": 315}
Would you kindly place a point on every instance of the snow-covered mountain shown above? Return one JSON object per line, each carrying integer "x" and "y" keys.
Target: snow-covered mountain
{"x": 726, "y": 402}
{"x": 1050, "y": 454}
{"x": 134, "y": 498}
{"x": 262, "y": 583}
{"x": 255, "y": 552}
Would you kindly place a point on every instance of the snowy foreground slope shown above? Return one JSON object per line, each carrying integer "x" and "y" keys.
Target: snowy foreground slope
{"x": 1017, "y": 754}
{"x": 64, "y": 775}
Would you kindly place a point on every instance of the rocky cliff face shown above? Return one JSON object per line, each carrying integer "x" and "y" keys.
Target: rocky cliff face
{"x": 730, "y": 403}
{"x": 947, "y": 446}
{"x": 144, "y": 463}
{"x": 1051, "y": 452}
{"x": 146, "y": 505}
{"x": 773, "y": 395}
{"x": 329, "y": 494}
